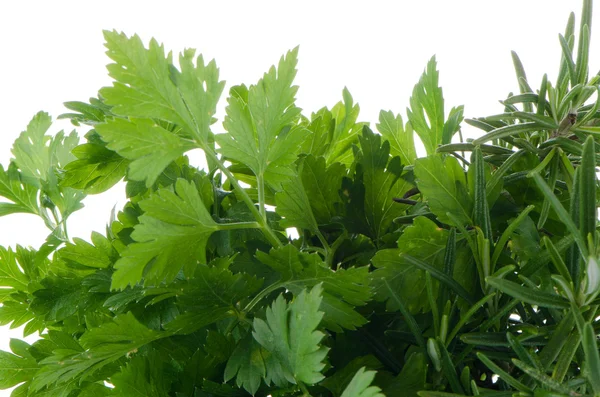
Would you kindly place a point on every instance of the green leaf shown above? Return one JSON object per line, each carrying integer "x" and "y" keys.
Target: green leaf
{"x": 149, "y": 147}
{"x": 505, "y": 376}
{"x": 289, "y": 333}
{"x": 172, "y": 234}
{"x": 260, "y": 120}
{"x": 18, "y": 367}
{"x": 377, "y": 180}
{"x": 211, "y": 295}
{"x": 588, "y": 184}
{"x": 338, "y": 381}
{"x": 346, "y": 131}
{"x": 562, "y": 213}
{"x": 533, "y": 297}
{"x": 95, "y": 170}
{"x": 444, "y": 185}
{"x": 246, "y": 364}
{"x": 592, "y": 357}
{"x": 32, "y": 154}
{"x": 427, "y": 100}
{"x": 422, "y": 240}
{"x": 103, "y": 345}
{"x": 294, "y": 205}
{"x": 360, "y": 385}
{"x": 97, "y": 255}
{"x": 147, "y": 85}
{"x": 400, "y": 137}
{"x": 143, "y": 377}
{"x": 481, "y": 212}
{"x": 322, "y": 184}
{"x": 342, "y": 289}
{"x": 22, "y": 195}
{"x": 11, "y": 274}
{"x": 411, "y": 379}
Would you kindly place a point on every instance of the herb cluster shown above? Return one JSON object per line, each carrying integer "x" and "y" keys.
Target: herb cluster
{"x": 471, "y": 271}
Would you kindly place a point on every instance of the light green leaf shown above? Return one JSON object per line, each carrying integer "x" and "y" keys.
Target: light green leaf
{"x": 18, "y": 367}
{"x": 294, "y": 205}
{"x": 322, "y": 184}
{"x": 427, "y": 100}
{"x": 147, "y": 85}
{"x": 95, "y": 170}
{"x": 359, "y": 386}
{"x": 10, "y": 273}
{"x": 289, "y": 334}
{"x": 260, "y": 122}
{"x": 346, "y": 131}
{"x": 172, "y": 234}
{"x": 400, "y": 137}
{"x": 22, "y": 195}
{"x": 95, "y": 255}
{"x": 148, "y": 146}
{"x": 444, "y": 185}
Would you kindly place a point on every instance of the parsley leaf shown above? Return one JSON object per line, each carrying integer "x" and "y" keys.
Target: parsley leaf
{"x": 260, "y": 122}
{"x": 359, "y": 386}
{"x": 147, "y": 85}
{"x": 172, "y": 234}
{"x": 289, "y": 334}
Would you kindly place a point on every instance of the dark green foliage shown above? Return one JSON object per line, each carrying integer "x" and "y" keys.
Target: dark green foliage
{"x": 439, "y": 276}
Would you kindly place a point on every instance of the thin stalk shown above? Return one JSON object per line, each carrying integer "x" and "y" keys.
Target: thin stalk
{"x": 239, "y": 225}
{"x": 260, "y": 181}
{"x": 269, "y": 233}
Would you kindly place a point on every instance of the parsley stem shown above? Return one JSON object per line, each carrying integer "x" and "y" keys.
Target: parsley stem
{"x": 269, "y": 233}
{"x": 261, "y": 195}
{"x": 239, "y": 225}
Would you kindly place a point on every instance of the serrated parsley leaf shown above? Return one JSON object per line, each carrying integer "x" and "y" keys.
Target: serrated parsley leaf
{"x": 11, "y": 274}
{"x": 142, "y": 377}
{"x": 103, "y": 345}
{"x": 444, "y": 185}
{"x": 377, "y": 180}
{"x": 260, "y": 122}
{"x": 148, "y": 146}
{"x": 18, "y": 367}
{"x": 211, "y": 295}
{"x": 424, "y": 240}
{"x": 172, "y": 234}
{"x": 22, "y": 195}
{"x": 343, "y": 289}
{"x": 312, "y": 198}
{"x": 97, "y": 255}
{"x": 400, "y": 136}
{"x": 289, "y": 334}
{"x": 148, "y": 85}
{"x": 360, "y": 385}
{"x": 246, "y": 364}
{"x": 293, "y": 204}
{"x": 427, "y": 100}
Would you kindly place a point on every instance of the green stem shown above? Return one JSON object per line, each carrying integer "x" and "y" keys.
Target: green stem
{"x": 304, "y": 390}
{"x": 261, "y": 295}
{"x": 269, "y": 233}
{"x": 261, "y": 195}
{"x": 334, "y": 247}
{"x": 239, "y": 225}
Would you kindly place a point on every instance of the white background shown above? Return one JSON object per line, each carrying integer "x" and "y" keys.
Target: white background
{"x": 52, "y": 51}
